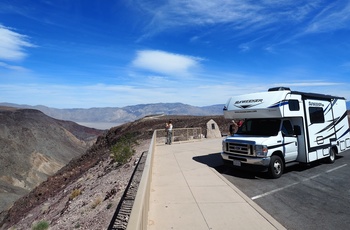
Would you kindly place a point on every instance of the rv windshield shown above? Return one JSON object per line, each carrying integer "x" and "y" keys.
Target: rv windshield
{"x": 261, "y": 127}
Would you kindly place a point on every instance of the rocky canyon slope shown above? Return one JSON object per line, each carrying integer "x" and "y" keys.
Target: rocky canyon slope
{"x": 35, "y": 146}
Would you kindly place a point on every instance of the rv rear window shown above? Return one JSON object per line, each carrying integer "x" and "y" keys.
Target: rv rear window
{"x": 316, "y": 115}
{"x": 293, "y": 105}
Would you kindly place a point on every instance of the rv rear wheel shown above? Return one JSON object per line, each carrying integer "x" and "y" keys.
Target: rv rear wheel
{"x": 331, "y": 158}
{"x": 276, "y": 167}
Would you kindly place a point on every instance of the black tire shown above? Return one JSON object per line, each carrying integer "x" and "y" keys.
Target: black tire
{"x": 276, "y": 167}
{"x": 331, "y": 158}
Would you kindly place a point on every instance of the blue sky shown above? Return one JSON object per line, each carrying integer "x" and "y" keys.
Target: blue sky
{"x": 114, "y": 53}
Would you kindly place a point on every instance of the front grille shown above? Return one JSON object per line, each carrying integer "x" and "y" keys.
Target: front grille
{"x": 238, "y": 148}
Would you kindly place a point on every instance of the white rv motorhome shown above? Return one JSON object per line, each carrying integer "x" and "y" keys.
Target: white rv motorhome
{"x": 283, "y": 126}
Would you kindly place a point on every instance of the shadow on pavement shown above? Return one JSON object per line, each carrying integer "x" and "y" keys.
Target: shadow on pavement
{"x": 214, "y": 160}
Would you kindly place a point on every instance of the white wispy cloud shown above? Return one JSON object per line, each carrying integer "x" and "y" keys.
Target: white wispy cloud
{"x": 12, "y": 67}
{"x": 309, "y": 83}
{"x": 335, "y": 88}
{"x": 165, "y": 63}
{"x": 238, "y": 14}
{"x": 334, "y": 16}
{"x": 313, "y": 84}
{"x": 178, "y": 13}
{"x": 12, "y": 44}
{"x": 241, "y": 17}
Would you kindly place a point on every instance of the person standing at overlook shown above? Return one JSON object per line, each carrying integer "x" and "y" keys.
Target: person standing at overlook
{"x": 233, "y": 128}
{"x": 169, "y": 132}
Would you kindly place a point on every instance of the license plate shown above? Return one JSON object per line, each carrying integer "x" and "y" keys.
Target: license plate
{"x": 236, "y": 163}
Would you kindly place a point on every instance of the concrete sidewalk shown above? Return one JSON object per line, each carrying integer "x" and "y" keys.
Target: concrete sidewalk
{"x": 188, "y": 193}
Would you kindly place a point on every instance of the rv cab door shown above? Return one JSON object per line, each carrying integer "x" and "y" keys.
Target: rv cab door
{"x": 290, "y": 143}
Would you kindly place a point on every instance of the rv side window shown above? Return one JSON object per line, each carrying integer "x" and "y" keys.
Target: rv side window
{"x": 293, "y": 105}
{"x": 287, "y": 128}
{"x": 316, "y": 115}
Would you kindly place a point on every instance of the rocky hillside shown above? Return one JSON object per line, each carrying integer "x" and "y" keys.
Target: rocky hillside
{"x": 35, "y": 146}
{"x": 99, "y": 180}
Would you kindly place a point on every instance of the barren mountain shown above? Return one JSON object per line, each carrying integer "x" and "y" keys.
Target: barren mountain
{"x": 85, "y": 193}
{"x": 35, "y": 146}
{"x": 104, "y": 118}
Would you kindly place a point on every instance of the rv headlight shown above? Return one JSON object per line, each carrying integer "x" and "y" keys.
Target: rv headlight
{"x": 223, "y": 146}
{"x": 261, "y": 150}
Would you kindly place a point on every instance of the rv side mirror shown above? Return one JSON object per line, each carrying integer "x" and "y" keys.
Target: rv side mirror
{"x": 297, "y": 130}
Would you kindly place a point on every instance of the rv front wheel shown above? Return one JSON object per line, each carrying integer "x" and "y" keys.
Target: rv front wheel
{"x": 276, "y": 167}
{"x": 331, "y": 158}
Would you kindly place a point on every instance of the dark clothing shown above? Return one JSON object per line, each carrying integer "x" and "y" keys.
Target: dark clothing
{"x": 169, "y": 137}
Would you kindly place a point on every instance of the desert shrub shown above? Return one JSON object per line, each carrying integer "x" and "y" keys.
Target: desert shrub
{"x": 96, "y": 202}
{"x": 41, "y": 225}
{"x": 124, "y": 148}
{"x": 75, "y": 193}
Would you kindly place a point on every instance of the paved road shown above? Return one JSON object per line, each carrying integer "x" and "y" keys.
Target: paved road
{"x": 305, "y": 197}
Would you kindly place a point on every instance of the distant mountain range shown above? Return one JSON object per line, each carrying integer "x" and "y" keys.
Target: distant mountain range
{"x": 105, "y": 118}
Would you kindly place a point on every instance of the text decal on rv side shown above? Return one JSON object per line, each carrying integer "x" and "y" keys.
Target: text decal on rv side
{"x": 248, "y": 103}
{"x": 315, "y": 104}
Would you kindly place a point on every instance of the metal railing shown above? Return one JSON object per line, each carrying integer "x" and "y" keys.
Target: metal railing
{"x": 180, "y": 135}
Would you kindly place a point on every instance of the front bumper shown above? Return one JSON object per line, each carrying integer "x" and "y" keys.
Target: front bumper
{"x": 247, "y": 162}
